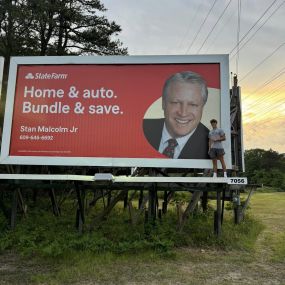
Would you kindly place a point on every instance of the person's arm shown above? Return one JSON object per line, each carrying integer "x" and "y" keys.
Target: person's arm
{"x": 222, "y": 138}
{"x": 210, "y": 143}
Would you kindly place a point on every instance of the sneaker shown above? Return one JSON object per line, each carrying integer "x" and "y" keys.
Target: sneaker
{"x": 214, "y": 175}
{"x": 225, "y": 174}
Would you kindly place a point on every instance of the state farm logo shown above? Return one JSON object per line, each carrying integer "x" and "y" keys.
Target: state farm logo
{"x": 40, "y": 75}
{"x": 29, "y": 76}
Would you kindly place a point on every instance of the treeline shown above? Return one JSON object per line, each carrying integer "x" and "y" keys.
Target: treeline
{"x": 265, "y": 167}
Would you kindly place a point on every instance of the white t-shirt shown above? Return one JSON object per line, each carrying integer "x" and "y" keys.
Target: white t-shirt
{"x": 216, "y": 134}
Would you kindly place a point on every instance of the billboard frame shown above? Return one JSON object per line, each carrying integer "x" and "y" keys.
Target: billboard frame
{"x": 6, "y": 158}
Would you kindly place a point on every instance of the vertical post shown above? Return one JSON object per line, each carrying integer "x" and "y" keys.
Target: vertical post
{"x": 140, "y": 199}
{"x": 237, "y": 208}
{"x": 205, "y": 201}
{"x": 55, "y": 207}
{"x": 236, "y": 126}
{"x": 152, "y": 199}
{"x": 218, "y": 214}
{"x": 109, "y": 198}
{"x": 80, "y": 219}
{"x": 14, "y": 209}
{"x": 126, "y": 199}
{"x": 223, "y": 204}
{"x": 164, "y": 203}
{"x": 152, "y": 202}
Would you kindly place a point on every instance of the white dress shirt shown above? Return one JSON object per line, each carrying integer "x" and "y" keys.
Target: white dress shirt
{"x": 181, "y": 142}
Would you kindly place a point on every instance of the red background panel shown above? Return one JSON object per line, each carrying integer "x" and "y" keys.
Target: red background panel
{"x": 135, "y": 86}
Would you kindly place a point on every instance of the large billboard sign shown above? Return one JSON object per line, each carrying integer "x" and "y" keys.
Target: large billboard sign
{"x": 115, "y": 110}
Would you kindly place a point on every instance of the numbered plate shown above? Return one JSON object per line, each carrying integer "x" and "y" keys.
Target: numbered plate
{"x": 237, "y": 180}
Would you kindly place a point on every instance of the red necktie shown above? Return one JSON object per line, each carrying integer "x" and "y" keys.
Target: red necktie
{"x": 169, "y": 150}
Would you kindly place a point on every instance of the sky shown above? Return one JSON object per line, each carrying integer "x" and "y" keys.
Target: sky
{"x": 190, "y": 27}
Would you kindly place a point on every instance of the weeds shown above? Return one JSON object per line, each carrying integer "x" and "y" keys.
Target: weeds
{"x": 45, "y": 235}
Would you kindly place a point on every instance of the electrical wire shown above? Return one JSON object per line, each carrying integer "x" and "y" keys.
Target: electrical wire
{"x": 274, "y": 77}
{"x": 219, "y": 32}
{"x": 260, "y": 63}
{"x": 271, "y": 95}
{"x": 232, "y": 56}
{"x": 265, "y": 100}
{"x": 191, "y": 24}
{"x": 244, "y": 36}
{"x": 209, "y": 34}
{"x": 201, "y": 26}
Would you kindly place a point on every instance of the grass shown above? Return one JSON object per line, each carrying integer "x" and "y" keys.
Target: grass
{"x": 270, "y": 209}
{"x": 249, "y": 253}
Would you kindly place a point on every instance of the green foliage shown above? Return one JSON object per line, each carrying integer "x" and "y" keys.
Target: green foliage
{"x": 265, "y": 167}
{"x": 44, "y": 235}
{"x": 48, "y": 27}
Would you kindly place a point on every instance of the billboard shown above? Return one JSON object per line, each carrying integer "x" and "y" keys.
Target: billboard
{"x": 109, "y": 110}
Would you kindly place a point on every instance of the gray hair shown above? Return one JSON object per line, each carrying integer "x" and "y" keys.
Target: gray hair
{"x": 186, "y": 77}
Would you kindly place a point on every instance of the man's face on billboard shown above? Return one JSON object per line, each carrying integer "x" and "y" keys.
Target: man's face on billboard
{"x": 183, "y": 108}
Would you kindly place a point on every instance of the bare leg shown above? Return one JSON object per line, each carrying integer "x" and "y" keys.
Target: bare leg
{"x": 221, "y": 158}
{"x": 215, "y": 167}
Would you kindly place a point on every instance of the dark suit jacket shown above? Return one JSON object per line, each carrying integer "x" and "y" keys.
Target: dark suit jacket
{"x": 195, "y": 148}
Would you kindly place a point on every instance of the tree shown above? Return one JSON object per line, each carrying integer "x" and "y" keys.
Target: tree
{"x": 74, "y": 27}
{"x": 57, "y": 27}
{"x": 265, "y": 167}
{"x": 15, "y": 36}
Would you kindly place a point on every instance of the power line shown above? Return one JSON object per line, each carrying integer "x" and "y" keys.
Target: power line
{"x": 201, "y": 26}
{"x": 274, "y": 106}
{"x": 257, "y": 118}
{"x": 257, "y": 103}
{"x": 258, "y": 29}
{"x": 274, "y": 77}
{"x": 219, "y": 33}
{"x": 259, "y": 64}
{"x": 191, "y": 24}
{"x": 272, "y": 91}
{"x": 253, "y": 25}
{"x": 214, "y": 26}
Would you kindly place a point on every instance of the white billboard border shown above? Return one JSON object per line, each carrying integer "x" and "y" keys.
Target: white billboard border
{"x": 1, "y": 74}
{"x": 221, "y": 59}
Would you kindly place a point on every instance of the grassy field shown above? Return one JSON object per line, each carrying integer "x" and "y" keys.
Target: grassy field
{"x": 263, "y": 262}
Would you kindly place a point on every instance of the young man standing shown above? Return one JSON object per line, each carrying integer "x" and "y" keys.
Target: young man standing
{"x": 216, "y": 150}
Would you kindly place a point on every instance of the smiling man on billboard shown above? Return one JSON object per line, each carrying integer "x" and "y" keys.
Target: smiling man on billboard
{"x": 180, "y": 134}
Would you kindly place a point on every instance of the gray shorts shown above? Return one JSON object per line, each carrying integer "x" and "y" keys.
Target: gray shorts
{"x": 215, "y": 153}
